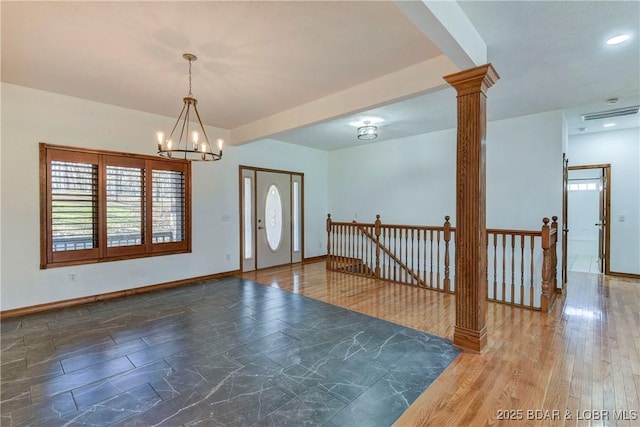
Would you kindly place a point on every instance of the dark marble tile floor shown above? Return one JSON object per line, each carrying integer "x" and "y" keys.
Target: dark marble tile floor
{"x": 222, "y": 353}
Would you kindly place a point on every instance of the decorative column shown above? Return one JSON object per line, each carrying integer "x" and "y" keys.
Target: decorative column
{"x": 471, "y": 239}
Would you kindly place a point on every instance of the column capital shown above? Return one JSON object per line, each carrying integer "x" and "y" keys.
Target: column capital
{"x": 473, "y": 80}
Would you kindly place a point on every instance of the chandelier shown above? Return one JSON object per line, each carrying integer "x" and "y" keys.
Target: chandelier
{"x": 368, "y": 131}
{"x": 189, "y": 144}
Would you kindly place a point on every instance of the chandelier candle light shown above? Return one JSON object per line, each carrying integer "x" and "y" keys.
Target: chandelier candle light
{"x": 199, "y": 148}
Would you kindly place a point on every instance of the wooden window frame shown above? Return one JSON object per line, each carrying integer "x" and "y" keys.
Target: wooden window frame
{"x": 103, "y": 253}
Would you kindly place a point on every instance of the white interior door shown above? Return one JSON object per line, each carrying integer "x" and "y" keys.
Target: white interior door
{"x": 273, "y": 219}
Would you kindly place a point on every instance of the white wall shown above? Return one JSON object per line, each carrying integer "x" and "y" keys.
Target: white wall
{"x": 412, "y": 180}
{"x": 622, "y": 150}
{"x": 407, "y": 181}
{"x": 31, "y": 116}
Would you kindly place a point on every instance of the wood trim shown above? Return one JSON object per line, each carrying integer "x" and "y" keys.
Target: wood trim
{"x": 259, "y": 169}
{"x": 606, "y": 172}
{"x": 5, "y": 314}
{"x": 255, "y": 171}
{"x": 600, "y": 166}
{"x": 628, "y": 275}
{"x": 110, "y": 153}
{"x": 102, "y": 158}
{"x": 319, "y": 258}
{"x": 470, "y": 263}
{"x": 44, "y": 216}
{"x": 607, "y": 225}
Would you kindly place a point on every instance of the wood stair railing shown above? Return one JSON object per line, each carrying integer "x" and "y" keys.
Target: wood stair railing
{"x": 521, "y": 264}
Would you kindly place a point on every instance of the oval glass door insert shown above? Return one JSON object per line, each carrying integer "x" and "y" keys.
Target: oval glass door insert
{"x": 273, "y": 220}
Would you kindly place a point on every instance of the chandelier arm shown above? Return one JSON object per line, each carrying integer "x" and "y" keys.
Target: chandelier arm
{"x": 177, "y": 121}
{"x": 204, "y": 132}
{"x": 184, "y": 124}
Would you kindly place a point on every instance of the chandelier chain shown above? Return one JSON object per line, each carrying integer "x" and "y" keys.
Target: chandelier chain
{"x": 190, "y": 94}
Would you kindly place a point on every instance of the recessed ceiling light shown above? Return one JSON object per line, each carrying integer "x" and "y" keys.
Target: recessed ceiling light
{"x": 608, "y": 125}
{"x": 621, "y": 38}
{"x": 582, "y": 129}
{"x": 612, "y": 101}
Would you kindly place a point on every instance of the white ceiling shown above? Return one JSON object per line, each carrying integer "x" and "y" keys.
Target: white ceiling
{"x": 260, "y": 60}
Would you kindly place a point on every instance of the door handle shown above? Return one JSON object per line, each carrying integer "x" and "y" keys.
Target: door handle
{"x": 599, "y": 224}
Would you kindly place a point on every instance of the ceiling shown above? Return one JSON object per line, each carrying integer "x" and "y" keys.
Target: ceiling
{"x": 310, "y": 72}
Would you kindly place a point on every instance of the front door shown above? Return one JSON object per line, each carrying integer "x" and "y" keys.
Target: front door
{"x": 273, "y": 219}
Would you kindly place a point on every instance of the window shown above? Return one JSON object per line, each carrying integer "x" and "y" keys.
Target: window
{"x": 584, "y": 186}
{"x": 273, "y": 217}
{"x": 102, "y": 206}
{"x": 248, "y": 217}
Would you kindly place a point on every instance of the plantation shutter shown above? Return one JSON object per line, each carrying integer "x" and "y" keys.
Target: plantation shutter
{"x": 168, "y": 206}
{"x": 73, "y": 205}
{"x": 125, "y": 212}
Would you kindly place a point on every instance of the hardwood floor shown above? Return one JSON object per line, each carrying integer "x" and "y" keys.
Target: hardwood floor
{"x": 578, "y": 365}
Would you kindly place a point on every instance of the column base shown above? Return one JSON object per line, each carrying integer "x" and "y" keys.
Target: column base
{"x": 468, "y": 339}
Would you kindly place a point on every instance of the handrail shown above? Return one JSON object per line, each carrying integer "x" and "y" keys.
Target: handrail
{"x": 389, "y": 253}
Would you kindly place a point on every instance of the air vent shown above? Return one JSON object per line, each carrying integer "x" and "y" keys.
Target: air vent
{"x": 611, "y": 113}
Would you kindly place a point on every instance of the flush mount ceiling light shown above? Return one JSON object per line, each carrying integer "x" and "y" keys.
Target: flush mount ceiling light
{"x": 608, "y": 125}
{"x": 621, "y": 38}
{"x": 368, "y": 131}
{"x": 196, "y": 149}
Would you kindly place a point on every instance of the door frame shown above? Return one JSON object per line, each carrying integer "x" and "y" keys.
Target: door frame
{"x": 255, "y": 170}
{"x": 606, "y": 173}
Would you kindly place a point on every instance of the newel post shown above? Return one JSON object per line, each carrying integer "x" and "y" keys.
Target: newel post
{"x": 548, "y": 270}
{"x": 447, "y": 239}
{"x": 328, "y": 241}
{"x": 554, "y": 226}
{"x": 471, "y": 249}
{"x": 378, "y": 223}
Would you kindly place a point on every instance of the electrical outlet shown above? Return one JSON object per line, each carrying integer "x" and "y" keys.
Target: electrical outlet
{"x": 228, "y": 257}
{"x": 620, "y": 218}
{"x": 73, "y": 277}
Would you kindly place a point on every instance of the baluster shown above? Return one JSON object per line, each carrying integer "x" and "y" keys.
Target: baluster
{"x": 424, "y": 255}
{"x": 522, "y": 238}
{"x": 504, "y": 267}
{"x": 387, "y": 233}
{"x": 405, "y": 260}
{"x": 328, "y": 264}
{"x": 412, "y": 259}
{"x": 532, "y": 281}
{"x": 377, "y": 230}
{"x": 545, "y": 303}
{"x": 343, "y": 247}
{"x": 495, "y": 265}
{"x": 554, "y": 226}
{"x": 439, "y": 284}
{"x": 513, "y": 268}
{"x": 447, "y": 238}
{"x": 395, "y": 245}
{"x": 431, "y": 261}
{"x": 418, "y": 256}
{"x": 350, "y": 253}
